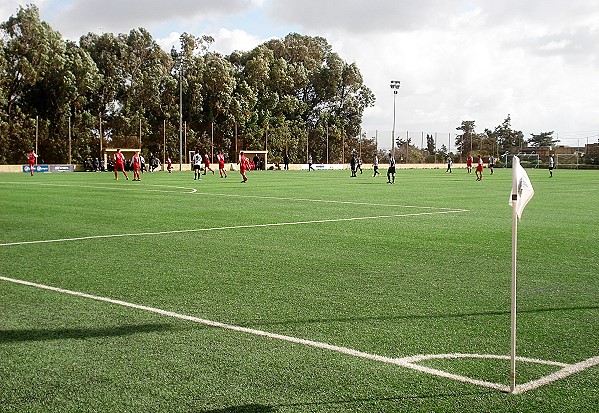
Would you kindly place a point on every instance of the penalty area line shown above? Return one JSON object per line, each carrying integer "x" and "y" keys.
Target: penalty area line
{"x": 193, "y": 230}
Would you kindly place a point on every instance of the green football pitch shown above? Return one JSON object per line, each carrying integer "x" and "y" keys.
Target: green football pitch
{"x": 296, "y": 292}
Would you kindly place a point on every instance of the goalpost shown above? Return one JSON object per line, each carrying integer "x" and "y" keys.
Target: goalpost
{"x": 529, "y": 160}
{"x": 567, "y": 160}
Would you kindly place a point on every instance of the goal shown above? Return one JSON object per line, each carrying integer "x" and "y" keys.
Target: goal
{"x": 567, "y": 161}
{"x": 529, "y": 160}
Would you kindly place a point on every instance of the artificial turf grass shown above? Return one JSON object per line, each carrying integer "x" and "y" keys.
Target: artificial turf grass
{"x": 395, "y": 287}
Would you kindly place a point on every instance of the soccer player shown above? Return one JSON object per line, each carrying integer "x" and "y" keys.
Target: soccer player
{"x": 207, "y": 164}
{"x": 551, "y": 165}
{"x": 310, "y": 168}
{"x": 197, "y": 165}
{"x": 119, "y": 164}
{"x": 31, "y": 157}
{"x": 491, "y": 163}
{"x": 375, "y": 164}
{"x": 391, "y": 170}
{"x": 136, "y": 164}
{"x": 142, "y": 160}
{"x": 244, "y": 164}
{"x": 221, "y": 164}
{"x": 469, "y": 163}
{"x": 169, "y": 164}
{"x": 449, "y": 162}
{"x": 479, "y": 169}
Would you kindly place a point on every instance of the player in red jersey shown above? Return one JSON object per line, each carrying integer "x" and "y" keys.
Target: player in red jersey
{"x": 244, "y": 164}
{"x": 207, "y": 164}
{"x": 136, "y": 164}
{"x": 469, "y": 163}
{"x": 119, "y": 164}
{"x": 169, "y": 164}
{"x": 479, "y": 169}
{"x": 221, "y": 165}
{"x": 31, "y": 157}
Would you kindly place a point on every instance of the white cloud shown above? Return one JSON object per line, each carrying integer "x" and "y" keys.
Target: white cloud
{"x": 120, "y": 16}
{"x": 170, "y": 41}
{"x": 227, "y": 41}
{"x": 458, "y": 60}
{"x": 478, "y": 60}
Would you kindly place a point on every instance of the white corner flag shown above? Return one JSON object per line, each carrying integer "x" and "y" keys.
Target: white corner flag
{"x": 521, "y": 187}
{"x": 522, "y": 191}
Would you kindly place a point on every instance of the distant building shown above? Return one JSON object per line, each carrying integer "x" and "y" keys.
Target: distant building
{"x": 592, "y": 149}
{"x": 564, "y": 150}
{"x": 542, "y": 151}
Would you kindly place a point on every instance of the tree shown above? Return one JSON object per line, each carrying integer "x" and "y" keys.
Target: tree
{"x": 542, "y": 139}
{"x": 33, "y": 70}
{"x": 430, "y": 144}
{"x": 508, "y": 140}
{"x": 296, "y": 91}
{"x": 406, "y": 152}
{"x": 464, "y": 142}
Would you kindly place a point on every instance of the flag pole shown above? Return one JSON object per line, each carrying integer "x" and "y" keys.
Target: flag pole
{"x": 522, "y": 192}
{"x": 513, "y": 312}
{"x": 515, "y": 184}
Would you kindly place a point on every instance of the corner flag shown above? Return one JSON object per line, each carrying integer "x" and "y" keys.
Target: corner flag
{"x": 521, "y": 187}
{"x": 522, "y": 191}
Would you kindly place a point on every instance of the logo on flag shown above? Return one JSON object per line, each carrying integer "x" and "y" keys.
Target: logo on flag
{"x": 522, "y": 189}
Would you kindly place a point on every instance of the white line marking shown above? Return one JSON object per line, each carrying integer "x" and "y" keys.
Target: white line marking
{"x": 195, "y": 191}
{"x": 440, "y": 210}
{"x": 423, "y": 357}
{"x": 114, "y": 188}
{"x": 407, "y": 362}
{"x": 328, "y": 201}
{"x": 558, "y": 375}
{"x": 456, "y": 377}
{"x": 182, "y": 231}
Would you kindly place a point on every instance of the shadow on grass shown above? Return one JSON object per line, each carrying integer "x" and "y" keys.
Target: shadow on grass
{"x": 392, "y": 399}
{"x": 7, "y": 336}
{"x": 249, "y": 408}
{"x": 414, "y": 317}
{"x": 258, "y": 408}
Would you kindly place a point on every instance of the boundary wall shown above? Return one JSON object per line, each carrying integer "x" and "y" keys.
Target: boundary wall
{"x": 292, "y": 167}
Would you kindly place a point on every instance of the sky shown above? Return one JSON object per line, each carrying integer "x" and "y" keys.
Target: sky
{"x": 534, "y": 60}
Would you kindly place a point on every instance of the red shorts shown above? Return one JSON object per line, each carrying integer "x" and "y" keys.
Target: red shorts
{"x": 118, "y": 166}
{"x": 479, "y": 168}
{"x": 221, "y": 165}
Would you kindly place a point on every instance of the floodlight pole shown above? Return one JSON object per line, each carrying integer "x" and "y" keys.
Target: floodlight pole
{"x": 70, "y": 157}
{"x": 37, "y": 128}
{"x": 327, "y": 141}
{"x": 394, "y": 86}
{"x": 181, "y": 115}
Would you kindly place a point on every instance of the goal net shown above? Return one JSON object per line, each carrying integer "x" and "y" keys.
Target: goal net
{"x": 567, "y": 160}
{"x": 529, "y": 160}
